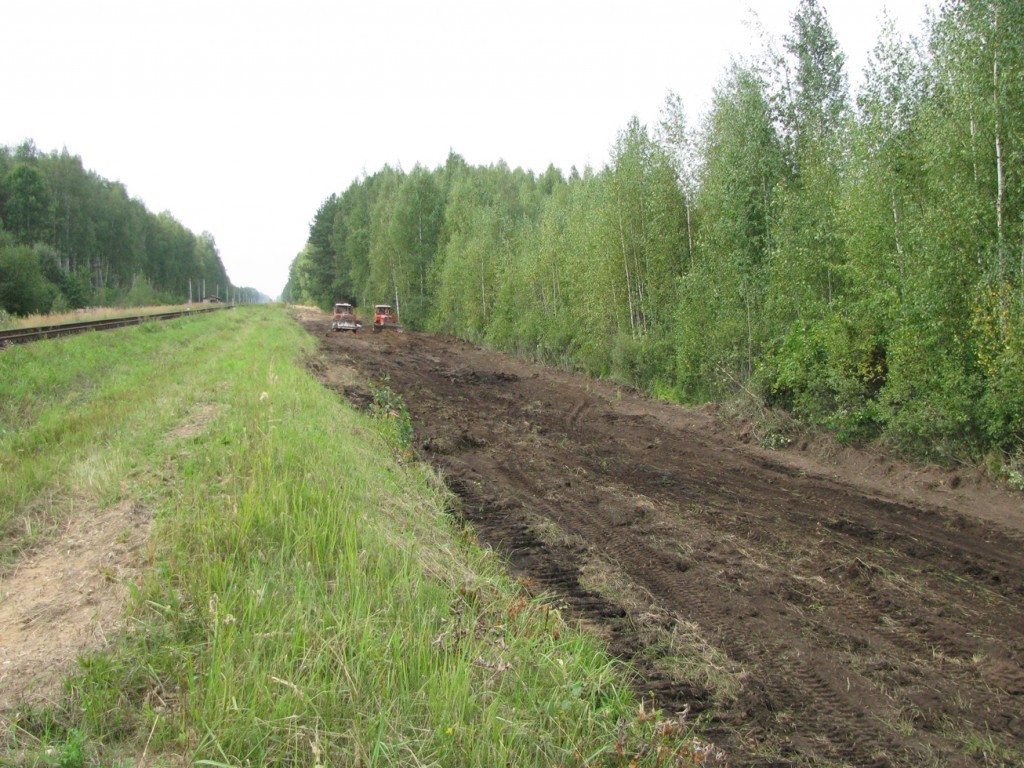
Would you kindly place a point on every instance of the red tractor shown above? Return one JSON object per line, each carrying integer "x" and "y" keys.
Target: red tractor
{"x": 345, "y": 318}
{"x": 384, "y": 319}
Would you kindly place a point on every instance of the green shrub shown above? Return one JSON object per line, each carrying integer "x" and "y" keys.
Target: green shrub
{"x": 24, "y": 289}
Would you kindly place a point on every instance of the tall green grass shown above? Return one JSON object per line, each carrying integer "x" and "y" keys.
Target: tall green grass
{"x": 312, "y": 602}
{"x": 78, "y": 417}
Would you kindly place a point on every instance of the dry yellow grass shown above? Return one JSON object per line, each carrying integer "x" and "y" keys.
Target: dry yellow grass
{"x": 89, "y": 313}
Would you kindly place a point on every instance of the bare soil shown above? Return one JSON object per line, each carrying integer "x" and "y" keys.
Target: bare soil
{"x": 817, "y": 605}
{"x": 66, "y": 598}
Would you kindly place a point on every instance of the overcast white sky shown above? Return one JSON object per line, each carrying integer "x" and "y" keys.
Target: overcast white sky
{"x": 240, "y": 117}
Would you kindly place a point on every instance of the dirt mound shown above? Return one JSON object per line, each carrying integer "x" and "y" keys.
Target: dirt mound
{"x": 842, "y": 610}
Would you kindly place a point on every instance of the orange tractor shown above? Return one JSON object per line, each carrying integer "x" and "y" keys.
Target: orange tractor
{"x": 384, "y": 319}
{"x": 344, "y": 318}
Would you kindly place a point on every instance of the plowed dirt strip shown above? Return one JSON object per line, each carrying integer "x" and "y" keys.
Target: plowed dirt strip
{"x": 845, "y": 623}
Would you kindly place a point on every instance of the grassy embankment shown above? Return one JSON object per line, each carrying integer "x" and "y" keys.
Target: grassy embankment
{"x": 308, "y": 601}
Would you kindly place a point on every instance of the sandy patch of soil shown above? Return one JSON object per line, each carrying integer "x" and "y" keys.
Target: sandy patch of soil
{"x": 66, "y": 599}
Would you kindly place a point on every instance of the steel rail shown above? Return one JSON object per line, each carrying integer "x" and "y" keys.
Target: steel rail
{"x": 26, "y": 335}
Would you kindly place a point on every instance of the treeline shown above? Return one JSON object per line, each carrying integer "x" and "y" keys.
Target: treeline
{"x": 858, "y": 261}
{"x": 70, "y": 238}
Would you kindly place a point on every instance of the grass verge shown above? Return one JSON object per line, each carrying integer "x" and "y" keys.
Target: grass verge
{"x": 310, "y": 601}
{"x": 10, "y": 322}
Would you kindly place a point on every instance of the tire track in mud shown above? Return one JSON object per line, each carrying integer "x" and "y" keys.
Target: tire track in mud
{"x": 790, "y": 667}
{"x": 926, "y": 635}
{"x": 858, "y": 629}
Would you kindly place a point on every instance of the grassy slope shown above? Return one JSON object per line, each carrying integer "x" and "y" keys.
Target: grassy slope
{"x": 311, "y": 602}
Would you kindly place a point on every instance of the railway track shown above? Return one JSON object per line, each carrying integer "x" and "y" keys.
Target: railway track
{"x": 26, "y": 335}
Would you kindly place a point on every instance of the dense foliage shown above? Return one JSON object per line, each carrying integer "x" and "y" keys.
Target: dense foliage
{"x": 858, "y": 261}
{"x": 69, "y": 238}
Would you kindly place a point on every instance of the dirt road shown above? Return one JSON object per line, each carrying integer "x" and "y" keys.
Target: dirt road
{"x": 853, "y": 613}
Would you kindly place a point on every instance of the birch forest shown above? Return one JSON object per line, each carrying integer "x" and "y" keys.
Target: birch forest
{"x": 70, "y": 238}
{"x": 855, "y": 259}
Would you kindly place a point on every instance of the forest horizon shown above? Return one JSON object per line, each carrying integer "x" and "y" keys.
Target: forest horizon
{"x": 856, "y": 260}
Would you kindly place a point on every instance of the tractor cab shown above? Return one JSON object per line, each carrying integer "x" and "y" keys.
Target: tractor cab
{"x": 384, "y": 318}
{"x": 345, "y": 318}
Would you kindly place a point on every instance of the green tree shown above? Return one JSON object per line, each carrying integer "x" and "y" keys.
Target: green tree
{"x": 721, "y": 305}
{"x": 24, "y": 290}
{"x": 387, "y": 281}
{"x": 677, "y": 142}
{"x": 27, "y": 203}
{"x": 208, "y": 260}
{"x": 652, "y": 216}
{"x": 466, "y": 272}
{"x": 414, "y": 232}
{"x": 296, "y": 291}
{"x": 817, "y": 100}
{"x": 321, "y": 259}
{"x": 879, "y": 210}
{"x": 953, "y": 373}
{"x": 351, "y": 239}
{"x": 805, "y": 271}
{"x": 73, "y": 222}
